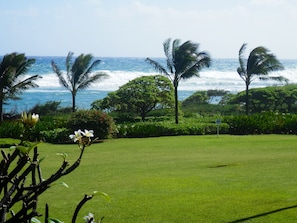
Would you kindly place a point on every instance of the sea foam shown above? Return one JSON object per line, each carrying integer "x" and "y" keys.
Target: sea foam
{"x": 223, "y": 80}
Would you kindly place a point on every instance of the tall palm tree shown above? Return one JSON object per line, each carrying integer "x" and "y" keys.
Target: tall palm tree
{"x": 78, "y": 74}
{"x": 258, "y": 65}
{"x": 12, "y": 83}
{"x": 183, "y": 62}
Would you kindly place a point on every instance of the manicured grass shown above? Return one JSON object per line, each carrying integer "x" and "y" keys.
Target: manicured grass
{"x": 179, "y": 179}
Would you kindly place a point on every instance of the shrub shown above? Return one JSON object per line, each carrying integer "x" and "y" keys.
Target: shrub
{"x": 59, "y": 135}
{"x": 11, "y": 129}
{"x": 100, "y": 122}
{"x": 154, "y": 129}
{"x": 263, "y": 123}
{"x": 46, "y": 123}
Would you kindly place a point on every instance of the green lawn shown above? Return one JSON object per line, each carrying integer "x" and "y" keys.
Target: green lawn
{"x": 179, "y": 179}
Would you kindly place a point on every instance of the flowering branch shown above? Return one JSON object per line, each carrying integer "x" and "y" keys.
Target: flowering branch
{"x": 18, "y": 167}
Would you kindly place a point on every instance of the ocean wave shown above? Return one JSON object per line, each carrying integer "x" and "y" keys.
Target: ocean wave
{"x": 223, "y": 80}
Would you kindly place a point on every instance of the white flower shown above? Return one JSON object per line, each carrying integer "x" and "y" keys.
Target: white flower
{"x": 88, "y": 133}
{"x": 77, "y": 135}
{"x": 35, "y": 117}
{"x": 89, "y": 217}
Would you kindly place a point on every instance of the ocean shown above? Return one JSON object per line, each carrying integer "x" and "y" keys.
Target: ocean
{"x": 222, "y": 75}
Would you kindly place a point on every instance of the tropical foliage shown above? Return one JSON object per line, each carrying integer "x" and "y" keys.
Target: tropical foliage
{"x": 78, "y": 74}
{"x": 204, "y": 97}
{"x": 99, "y": 121}
{"x": 262, "y": 123}
{"x": 22, "y": 181}
{"x": 139, "y": 96}
{"x": 183, "y": 61}
{"x": 165, "y": 128}
{"x": 273, "y": 98}
{"x": 13, "y": 67}
{"x": 258, "y": 65}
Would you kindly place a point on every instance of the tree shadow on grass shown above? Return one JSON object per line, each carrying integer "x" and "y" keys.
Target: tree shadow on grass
{"x": 263, "y": 214}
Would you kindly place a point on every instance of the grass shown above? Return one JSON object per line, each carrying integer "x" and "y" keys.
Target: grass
{"x": 179, "y": 179}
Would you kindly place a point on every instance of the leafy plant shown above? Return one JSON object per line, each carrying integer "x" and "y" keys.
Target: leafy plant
{"x": 100, "y": 122}
{"x": 139, "y": 96}
{"x": 263, "y": 123}
{"x": 59, "y": 135}
{"x": 21, "y": 179}
{"x": 11, "y": 129}
{"x": 153, "y": 129}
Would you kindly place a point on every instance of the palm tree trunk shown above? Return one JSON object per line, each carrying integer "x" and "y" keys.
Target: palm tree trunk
{"x": 176, "y": 104}
{"x": 73, "y": 102}
{"x": 1, "y": 110}
{"x": 247, "y": 99}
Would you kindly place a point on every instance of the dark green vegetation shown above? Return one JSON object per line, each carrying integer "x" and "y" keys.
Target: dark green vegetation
{"x": 183, "y": 61}
{"x": 258, "y": 65}
{"x": 139, "y": 97}
{"x": 180, "y": 179}
{"x": 274, "y": 98}
{"x": 198, "y": 119}
{"x": 281, "y": 99}
{"x": 56, "y": 128}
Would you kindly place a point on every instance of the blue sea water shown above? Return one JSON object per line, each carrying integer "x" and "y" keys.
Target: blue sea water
{"x": 221, "y": 75}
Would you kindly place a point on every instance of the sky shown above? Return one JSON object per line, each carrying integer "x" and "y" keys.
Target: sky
{"x": 138, "y": 28}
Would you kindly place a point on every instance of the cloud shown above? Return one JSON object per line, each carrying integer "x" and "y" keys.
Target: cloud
{"x": 139, "y": 27}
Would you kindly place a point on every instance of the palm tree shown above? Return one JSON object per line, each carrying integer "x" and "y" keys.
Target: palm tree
{"x": 12, "y": 83}
{"x": 258, "y": 65}
{"x": 183, "y": 62}
{"x": 78, "y": 74}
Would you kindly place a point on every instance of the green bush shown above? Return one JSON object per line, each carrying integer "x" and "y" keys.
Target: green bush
{"x": 154, "y": 129}
{"x": 11, "y": 129}
{"x": 59, "y": 135}
{"x": 47, "y": 123}
{"x": 263, "y": 123}
{"x": 14, "y": 128}
{"x": 98, "y": 121}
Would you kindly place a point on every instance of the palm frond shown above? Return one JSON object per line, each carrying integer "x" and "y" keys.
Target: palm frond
{"x": 85, "y": 70}
{"x": 190, "y": 60}
{"x": 69, "y": 62}
{"x": 91, "y": 79}
{"x": 157, "y": 66}
{"x": 242, "y": 69}
{"x": 24, "y": 66}
{"x": 203, "y": 60}
{"x": 80, "y": 67}
{"x": 12, "y": 67}
{"x": 92, "y": 66}
{"x": 242, "y": 73}
{"x": 261, "y": 62}
{"x": 60, "y": 75}
{"x": 275, "y": 78}
{"x": 24, "y": 85}
{"x": 15, "y": 64}
{"x": 168, "y": 54}
{"x": 200, "y": 61}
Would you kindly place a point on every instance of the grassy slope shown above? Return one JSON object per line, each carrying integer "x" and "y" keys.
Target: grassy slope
{"x": 180, "y": 179}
